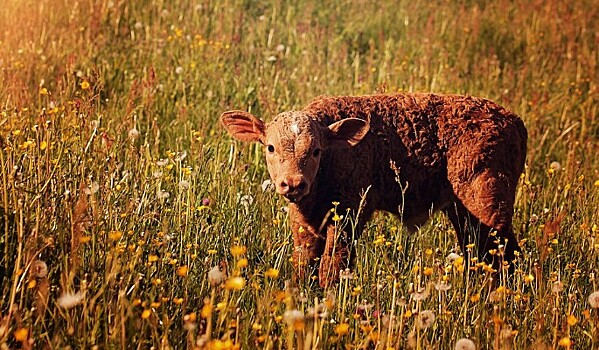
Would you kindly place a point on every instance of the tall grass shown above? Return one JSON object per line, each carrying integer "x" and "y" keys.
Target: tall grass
{"x": 129, "y": 219}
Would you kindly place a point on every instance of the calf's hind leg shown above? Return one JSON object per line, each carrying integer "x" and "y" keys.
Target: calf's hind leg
{"x": 483, "y": 206}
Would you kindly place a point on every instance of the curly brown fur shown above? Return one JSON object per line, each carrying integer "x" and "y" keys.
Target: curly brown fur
{"x": 415, "y": 154}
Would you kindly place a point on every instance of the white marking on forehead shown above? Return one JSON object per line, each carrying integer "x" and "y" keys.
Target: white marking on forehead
{"x": 295, "y": 129}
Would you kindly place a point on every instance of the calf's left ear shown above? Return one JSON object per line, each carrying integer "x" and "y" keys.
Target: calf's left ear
{"x": 347, "y": 132}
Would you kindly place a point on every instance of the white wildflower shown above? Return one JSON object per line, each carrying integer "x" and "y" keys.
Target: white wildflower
{"x": 157, "y": 174}
{"x": 138, "y": 25}
{"x": 162, "y": 162}
{"x": 280, "y": 48}
{"x": 271, "y": 58}
{"x": 70, "y": 300}
{"x": 267, "y": 185}
{"x": 163, "y": 195}
{"x": 179, "y": 70}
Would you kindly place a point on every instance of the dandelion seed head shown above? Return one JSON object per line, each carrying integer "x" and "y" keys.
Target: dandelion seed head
{"x": 133, "y": 134}
{"x": 555, "y": 166}
{"x": 294, "y": 319}
{"x": 39, "y": 269}
{"x": 465, "y": 344}
{"x": 442, "y": 286}
{"x": 184, "y": 184}
{"x": 215, "y": 276}
{"x": 426, "y": 319}
{"x": 70, "y": 300}
{"x": 557, "y": 287}
{"x": 452, "y": 257}
{"x": 594, "y": 300}
{"x": 163, "y": 195}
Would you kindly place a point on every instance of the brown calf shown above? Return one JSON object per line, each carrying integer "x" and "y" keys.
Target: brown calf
{"x": 415, "y": 153}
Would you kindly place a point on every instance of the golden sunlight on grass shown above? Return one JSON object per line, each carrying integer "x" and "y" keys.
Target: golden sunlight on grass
{"x": 128, "y": 217}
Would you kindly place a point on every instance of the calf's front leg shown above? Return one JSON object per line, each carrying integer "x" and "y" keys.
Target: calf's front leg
{"x": 336, "y": 256}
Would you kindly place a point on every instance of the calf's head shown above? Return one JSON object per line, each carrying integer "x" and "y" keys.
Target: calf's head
{"x": 294, "y": 143}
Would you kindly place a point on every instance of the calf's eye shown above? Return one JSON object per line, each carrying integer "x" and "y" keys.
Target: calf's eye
{"x": 316, "y": 152}
{"x": 270, "y": 148}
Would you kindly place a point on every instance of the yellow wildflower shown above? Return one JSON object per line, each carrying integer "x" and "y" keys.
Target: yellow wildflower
{"x": 342, "y": 329}
{"x": 272, "y": 273}
{"x": 235, "y": 283}
{"x": 21, "y": 334}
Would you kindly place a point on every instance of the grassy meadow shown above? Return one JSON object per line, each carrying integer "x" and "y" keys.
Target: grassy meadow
{"x": 129, "y": 219}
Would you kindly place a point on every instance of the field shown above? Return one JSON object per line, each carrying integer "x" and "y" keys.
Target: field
{"x": 130, "y": 219}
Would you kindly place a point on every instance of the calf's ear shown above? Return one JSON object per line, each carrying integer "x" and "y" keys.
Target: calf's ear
{"x": 347, "y": 132}
{"x": 243, "y": 126}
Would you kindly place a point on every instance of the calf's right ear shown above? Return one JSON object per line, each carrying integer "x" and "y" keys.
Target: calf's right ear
{"x": 243, "y": 126}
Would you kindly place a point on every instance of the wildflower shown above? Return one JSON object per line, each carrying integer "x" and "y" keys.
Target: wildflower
{"x": 594, "y": 300}
{"x": 157, "y": 174}
{"x": 572, "y": 320}
{"x": 39, "y": 269}
{"x": 84, "y": 85}
{"x": 133, "y": 134}
{"x": 235, "y": 283}
{"x": 267, "y": 185}
{"x": 452, "y": 257}
{"x": 206, "y": 309}
{"x": 70, "y": 300}
{"x": 162, "y": 162}
{"x": 21, "y": 334}
{"x": 272, "y": 273}
{"x": 565, "y": 342}
{"x": 206, "y": 202}
{"x": 529, "y": 278}
{"x": 180, "y": 156}
{"x": 179, "y": 70}
{"x": 138, "y": 25}
{"x": 182, "y": 271}
{"x": 163, "y": 194}
{"x": 465, "y": 344}
{"x": 420, "y": 294}
{"x": 294, "y": 319}
{"x": 146, "y": 313}
{"x": 555, "y": 166}
{"x": 342, "y": 329}
{"x": 280, "y": 48}
{"x": 215, "y": 276}
{"x": 43, "y": 91}
{"x": 557, "y": 287}
{"x": 427, "y": 271}
{"x": 238, "y": 250}
{"x": 271, "y": 58}
{"x": 242, "y": 263}
{"x": 442, "y": 286}
{"x": 184, "y": 185}
{"x": 426, "y": 319}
